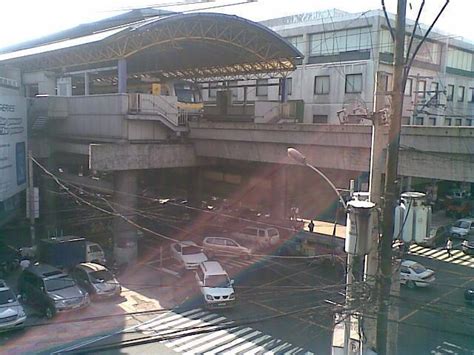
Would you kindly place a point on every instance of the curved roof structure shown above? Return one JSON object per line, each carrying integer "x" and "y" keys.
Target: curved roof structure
{"x": 198, "y": 45}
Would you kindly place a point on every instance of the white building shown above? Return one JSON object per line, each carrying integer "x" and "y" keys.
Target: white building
{"x": 346, "y": 54}
{"x": 13, "y": 138}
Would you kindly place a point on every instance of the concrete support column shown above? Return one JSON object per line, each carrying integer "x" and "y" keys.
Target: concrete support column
{"x": 279, "y": 193}
{"x": 86, "y": 84}
{"x": 122, "y": 76}
{"x": 125, "y": 203}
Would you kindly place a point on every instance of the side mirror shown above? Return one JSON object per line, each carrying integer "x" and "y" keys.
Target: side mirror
{"x": 43, "y": 289}
{"x": 231, "y": 282}
{"x": 18, "y": 297}
{"x": 201, "y": 283}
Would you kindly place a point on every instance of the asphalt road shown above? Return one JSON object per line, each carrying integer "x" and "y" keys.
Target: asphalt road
{"x": 287, "y": 306}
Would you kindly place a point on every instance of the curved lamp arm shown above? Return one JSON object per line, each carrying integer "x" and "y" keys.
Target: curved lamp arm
{"x": 301, "y": 159}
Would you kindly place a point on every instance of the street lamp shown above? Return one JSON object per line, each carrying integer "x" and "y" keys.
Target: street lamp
{"x": 301, "y": 159}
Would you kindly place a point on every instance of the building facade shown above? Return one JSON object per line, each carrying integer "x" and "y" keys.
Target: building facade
{"x": 13, "y": 140}
{"x": 347, "y": 71}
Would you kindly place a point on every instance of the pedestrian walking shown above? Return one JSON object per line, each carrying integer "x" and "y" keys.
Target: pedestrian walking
{"x": 449, "y": 246}
{"x": 311, "y": 226}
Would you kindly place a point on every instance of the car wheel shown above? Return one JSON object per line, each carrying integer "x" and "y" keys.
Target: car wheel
{"x": 411, "y": 284}
{"x": 49, "y": 312}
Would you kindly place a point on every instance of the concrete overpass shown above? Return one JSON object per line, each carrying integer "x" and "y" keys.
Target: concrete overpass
{"x": 107, "y": 130}
{"x": 444, "y": 153}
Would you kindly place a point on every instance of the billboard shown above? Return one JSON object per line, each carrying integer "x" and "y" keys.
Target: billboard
{"x": 13, "y": 136}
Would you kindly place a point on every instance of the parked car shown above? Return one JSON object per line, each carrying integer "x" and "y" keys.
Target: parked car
{"x": 188, "y": 254}
{"x": 97, "y": 280}
{"x": 263, "y": 237}
{"x": 436, "y": 236}
{"x": 51, "y": 290}
{"x": 469, "y": 295}
{"x": 467, "y": 246}
{"x": 222, "y": 246}
{"x": 414, "y": 274}
{"x": 215, "y": 285}
{"x": 462, "y": 228}
{"x": 12, "y": 315}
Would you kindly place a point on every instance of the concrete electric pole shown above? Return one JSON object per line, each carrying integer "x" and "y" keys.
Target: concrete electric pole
{"x": 391, "y": 186}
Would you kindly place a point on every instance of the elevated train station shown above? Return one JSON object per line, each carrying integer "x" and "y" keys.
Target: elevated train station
{"x": 121, "y": 97}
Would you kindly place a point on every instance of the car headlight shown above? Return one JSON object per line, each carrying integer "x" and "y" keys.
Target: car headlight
{"x": 209, "y": 297}
{"x": 21, "y": 313}
{"x": 60, "y": 303}
{"x": 232, "y": 296}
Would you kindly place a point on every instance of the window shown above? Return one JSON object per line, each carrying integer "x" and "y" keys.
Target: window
{"x": 353, "y": 83}
{"x": 262, "y": 88}
{"x": 470, "y": 97}
{"x": 421, "y": 89}
{"x": 461, "y": 93}
{"x": 459, "y": 59}
{"x": 289, "y": 86}
{"x": 419, "y": 121}
{"x": 321, "y": 85}
{"x": 458, "y": 122}
{"x": 450, "y": 94}
{"x": 212, "y": 90}
{"x": 320, "y": 118}
{"x": 408, "y": 87}
{"x": 469, "y": 122}
{"x": 298, "y": 42}
{"x": 432, "y": 121}
{"x": 334, "y": 42}
{"x": 234, "y": 90}
{"x": 447, "y": 121}
{"x": 434, "y": 90}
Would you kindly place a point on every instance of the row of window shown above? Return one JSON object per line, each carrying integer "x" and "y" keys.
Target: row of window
{"x": 435, "y": 90}
{"x": 448, "y": 121}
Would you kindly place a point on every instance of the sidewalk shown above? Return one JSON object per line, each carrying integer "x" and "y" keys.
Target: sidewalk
{"x": 326, "y": 228}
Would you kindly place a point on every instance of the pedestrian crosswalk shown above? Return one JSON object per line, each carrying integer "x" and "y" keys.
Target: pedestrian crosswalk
{"x": 457, "y": 256}
{"x": 452, "y": 349}
{"x": 198, "y": 331}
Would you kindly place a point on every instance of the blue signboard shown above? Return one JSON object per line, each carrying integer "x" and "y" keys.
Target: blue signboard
{"x": 20, "y": 163}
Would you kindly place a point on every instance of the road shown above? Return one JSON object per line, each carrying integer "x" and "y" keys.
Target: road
{"x": 285, "y": 306}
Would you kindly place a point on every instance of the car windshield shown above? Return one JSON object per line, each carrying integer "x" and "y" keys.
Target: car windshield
{"x": 190, "y": 250}
{"x": 217, "y": 281}
{"x": 59, "y": 283}
{"x": 461, "y": 224}
{"x": 6, "y": 296}
{"x": 418, "y": 268}
{"x": 101, "y": 276}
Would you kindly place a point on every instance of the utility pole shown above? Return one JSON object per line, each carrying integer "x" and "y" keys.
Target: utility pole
{"x": 391, "y": 186}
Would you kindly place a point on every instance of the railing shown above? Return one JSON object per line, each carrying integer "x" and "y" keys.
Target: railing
{"x": 164, "y": 106}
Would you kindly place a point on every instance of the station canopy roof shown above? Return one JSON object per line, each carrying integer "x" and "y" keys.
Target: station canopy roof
{"x": 163, "y": 44}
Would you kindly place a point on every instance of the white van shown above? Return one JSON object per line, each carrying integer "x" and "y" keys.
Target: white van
{"x": 258, "y": 235}
{"x": 215, "y": 285}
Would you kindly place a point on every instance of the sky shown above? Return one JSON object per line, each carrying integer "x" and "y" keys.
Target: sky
{"x": 27, "y": 19}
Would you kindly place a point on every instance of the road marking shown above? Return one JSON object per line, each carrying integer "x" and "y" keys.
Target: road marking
{"x": 434, "y": 301}
{"x": 243, "y": 339}
{"x": 276, "y": 310}
{"x": 182, "y": 338}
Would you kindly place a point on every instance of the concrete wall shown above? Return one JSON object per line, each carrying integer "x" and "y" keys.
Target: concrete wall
{"x": 445, "y": 153}
{"x": 107, "y": 157}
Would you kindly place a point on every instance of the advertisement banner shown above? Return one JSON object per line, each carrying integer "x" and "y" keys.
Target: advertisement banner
{"x": 13, "y": 135}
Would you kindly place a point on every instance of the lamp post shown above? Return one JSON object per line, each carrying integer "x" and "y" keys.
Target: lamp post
{"x": 301, "y": 159}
